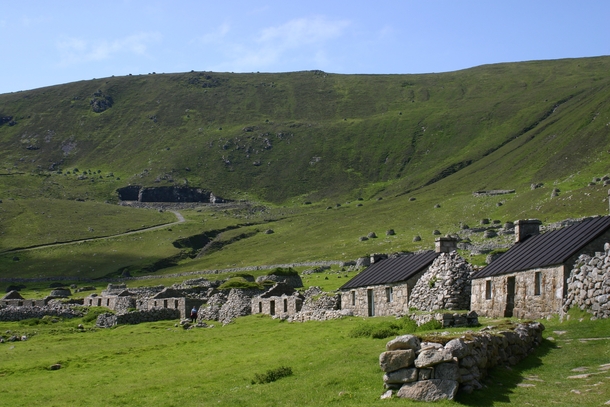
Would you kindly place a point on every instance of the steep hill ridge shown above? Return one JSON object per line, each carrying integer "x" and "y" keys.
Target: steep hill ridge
{"x": 311, "y": 135}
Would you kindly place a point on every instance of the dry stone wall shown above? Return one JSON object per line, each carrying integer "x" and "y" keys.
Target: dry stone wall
{"x": 431, "y": 371}
{"x": 16, "y": 313}
{"x": 589, "y": 284}
{"x": 445, "y": 285}
{"x": 447, "y": 320}
{"x": 158, "y": 314}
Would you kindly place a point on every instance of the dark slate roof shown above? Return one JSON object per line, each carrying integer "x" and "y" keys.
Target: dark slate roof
{"x": 12, "y": 295}
{"x": 547, "y": 249}
{"x": 392, "y": 270}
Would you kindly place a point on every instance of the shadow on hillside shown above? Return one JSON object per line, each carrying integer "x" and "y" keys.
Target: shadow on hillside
{"x": 501, "y": 380}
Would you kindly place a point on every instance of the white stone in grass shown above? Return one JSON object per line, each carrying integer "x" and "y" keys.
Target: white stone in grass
{"x": 386, "y": 395}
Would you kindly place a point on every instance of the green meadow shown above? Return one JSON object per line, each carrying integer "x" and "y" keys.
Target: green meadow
{"x": 161, "y": 363}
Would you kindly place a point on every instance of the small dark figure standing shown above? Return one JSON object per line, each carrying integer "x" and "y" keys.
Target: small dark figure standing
{"x": 194, "y": 315}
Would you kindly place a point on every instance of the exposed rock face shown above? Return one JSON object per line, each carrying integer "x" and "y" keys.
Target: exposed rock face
{"x": 167, "y": 194}
{"x": 445, "y": 285}
{"x": 100, "y": 102}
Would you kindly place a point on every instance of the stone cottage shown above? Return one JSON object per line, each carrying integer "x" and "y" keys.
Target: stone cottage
{"x": 530, "y": 279}
{"x": 15, "y": 299}
{"x": 384, "y": 288}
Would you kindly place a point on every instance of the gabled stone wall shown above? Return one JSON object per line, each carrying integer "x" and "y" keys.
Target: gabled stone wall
{"x": 589, "y": 284}
{"x": 445, "y": 285}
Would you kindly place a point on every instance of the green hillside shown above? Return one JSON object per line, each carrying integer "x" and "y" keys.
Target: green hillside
{"x": 280, "y": 140}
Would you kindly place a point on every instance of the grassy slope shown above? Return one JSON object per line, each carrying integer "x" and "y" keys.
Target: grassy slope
{"x": 499, "y": 126}
{"x": 216, "y": 366}
{"x": 405, "y": 130}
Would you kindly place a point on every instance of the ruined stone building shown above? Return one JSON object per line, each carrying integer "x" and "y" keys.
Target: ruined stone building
{"x": 386, "y": 286}
{"x": 281, "y": 300}
{"x": 170, "y": 298}
{"x": 15, "y": 299}
{"x": 119, "y": 299}
{"x": 530, "y": 279}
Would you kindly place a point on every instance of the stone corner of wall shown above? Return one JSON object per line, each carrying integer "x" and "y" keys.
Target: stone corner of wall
{"x": 431, "y": 371}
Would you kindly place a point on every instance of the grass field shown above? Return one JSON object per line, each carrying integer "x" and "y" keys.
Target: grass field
{"x": 158, "y": 363}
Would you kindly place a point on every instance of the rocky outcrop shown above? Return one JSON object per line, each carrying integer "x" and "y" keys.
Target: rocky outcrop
{"x": 167, "y": 194}
{"x": 430, "y": 371}
{"x": 445, "y": 285}
{"x": 589, "y": 284}
{"x": 100, "y": 102}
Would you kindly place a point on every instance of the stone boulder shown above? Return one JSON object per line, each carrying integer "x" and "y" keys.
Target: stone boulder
{"x": 429, "y": 390}
{"x": 404, "y": 342}
{"x": 396, "y": 359}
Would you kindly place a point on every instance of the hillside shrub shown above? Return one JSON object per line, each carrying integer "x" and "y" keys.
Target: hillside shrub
{"x": 272, "y": 375}
{"x": 362, "y": 330}
{"x": 237, "y": 282}
{"x": 408, "y": 325}
{"x": 34, "y": 322}
{"x": 244, "y": 275}
{"x": 93, "y": 312}
{"x": 385, "y": 330}
{"x": 430, "y": 326}
{"x": 280, "y": 271}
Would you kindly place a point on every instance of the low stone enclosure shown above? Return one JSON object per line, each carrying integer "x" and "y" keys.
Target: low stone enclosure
{"x": 108, "y": 320}
{"x": 432, "y": 371}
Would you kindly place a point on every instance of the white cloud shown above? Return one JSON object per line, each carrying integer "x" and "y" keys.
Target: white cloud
{"x": 75, "y": 50}
{"x": 303, "y": 39}
{"x": 302, "y": 31}
{"x": 217, "y": 35}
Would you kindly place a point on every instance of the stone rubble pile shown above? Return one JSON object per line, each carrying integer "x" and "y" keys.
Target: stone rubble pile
{"x": 445, "y": 285}
{"x": 238, "y": 304}
{"x": 589, "y": 284}
{"x": 430, "y": 371}
{"x": 319, "y": 315}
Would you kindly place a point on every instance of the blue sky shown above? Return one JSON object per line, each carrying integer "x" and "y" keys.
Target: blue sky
{"x": 51, "y": 42}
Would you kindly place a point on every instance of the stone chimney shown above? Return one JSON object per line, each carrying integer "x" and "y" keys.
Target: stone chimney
{"x": 525, "y": 228}
{"x": 445, "y": 244}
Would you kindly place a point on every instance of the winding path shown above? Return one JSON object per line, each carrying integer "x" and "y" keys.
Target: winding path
{"x": 179, "y": 219}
